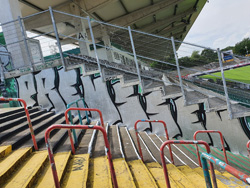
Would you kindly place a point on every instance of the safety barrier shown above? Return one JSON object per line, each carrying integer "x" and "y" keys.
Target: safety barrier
{"x": 51, "y": 157}
{"x": 79, "y": 114}
{"x": 27, "y": 115}
{"x": 221, "y": 139}
{"x": 81, "y": 109}
{"x": 166, "y": 132}
{"x": 224, "y": 166}
{"x": 248, "y": 148}
{"x": 184, "y": 142}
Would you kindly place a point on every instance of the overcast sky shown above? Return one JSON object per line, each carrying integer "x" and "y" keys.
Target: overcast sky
{"x": 221, "y": 23}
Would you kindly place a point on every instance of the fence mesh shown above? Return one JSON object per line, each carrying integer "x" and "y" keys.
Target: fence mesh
{"x": 198, "y": 65}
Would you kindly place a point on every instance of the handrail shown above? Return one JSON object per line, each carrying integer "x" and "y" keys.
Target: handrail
{"x": 168, "y": 142}
{"x": 224, "y": 166}
{"x": 166, "y": 132}
{"x": 79, "y": 115}
{"x": 27, "y": 115}
{"x": 221, "y": 139}
{"x": 51, "y": 157}
{"x": 248, "y": 148}
{"x": 84, "y": 109}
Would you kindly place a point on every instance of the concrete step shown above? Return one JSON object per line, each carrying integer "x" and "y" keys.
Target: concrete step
{"x": 156, "y": 170}
{"x": 214, "y": 104}
{"x": 10, "y": 163}
{"x": 7, "y": 125}
{"x": 18, "y": 115}
{"x": 147, "y": 155}
{"x": 23, "y": 136}
{"x": 114, "y": 141}
{"x": 194, "y": 97}
{"x": 4, "y": 151}
{"x": 221, "y": 180}
{"x": 150, "y": 85}
{"x": 181, "y": 157}
{"x": 99, "y": 173}
{"x": 192, "y": 176}
{"x": 10, "y": 111}
{"x": 239, "y": 111}
{"x": 181, "y": 179}
{"x": 30, "y": 170}
{"x": 141, "y": 174}
{"x": 77, "y": 172}
{"x": 232, "y": 162}
{"x": 172, "y": 91}
{"x": 129, "y": 80}
{"x": 128, "y": 145}
{"x": 46, "y": 178}
{"x": 123, "y": 174}
{"x": 23, "y": 126}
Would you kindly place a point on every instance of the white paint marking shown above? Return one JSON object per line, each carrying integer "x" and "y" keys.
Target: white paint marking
{"x": 147, "y": 148}
{"x": 133, "y": 144}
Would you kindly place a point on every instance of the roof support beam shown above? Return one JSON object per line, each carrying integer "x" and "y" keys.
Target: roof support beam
{"x": 177, "y": 27}
{"x": 151, "y": 27}
{"x": 142, "y": 13}
{"x": 31, "y": 5}
{"x": 95, "y": 7}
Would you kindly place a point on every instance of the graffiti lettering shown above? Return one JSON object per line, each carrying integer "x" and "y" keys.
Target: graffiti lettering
{"x": 78, "y": 163}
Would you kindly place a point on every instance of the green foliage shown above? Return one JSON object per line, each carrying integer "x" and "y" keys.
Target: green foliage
{"x": 240, "y": 47}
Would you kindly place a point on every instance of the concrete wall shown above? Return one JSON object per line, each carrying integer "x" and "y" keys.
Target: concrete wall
{"x": 54, "y": 88}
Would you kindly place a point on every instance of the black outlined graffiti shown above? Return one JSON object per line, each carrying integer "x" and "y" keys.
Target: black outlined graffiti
{"x": 174, "y": 113}
{"x": 218, "y": 113}
{"x": 57, "y": 83}
{"x": 93, "y": 77}
{"x": 143, "y": 102}
{"x": 227, "y": 146}
{"x": 79, "y": 87}
{"x": 201, "y": 115}
{"x": 245, "y": 124}
{"x": 112, "y": 95}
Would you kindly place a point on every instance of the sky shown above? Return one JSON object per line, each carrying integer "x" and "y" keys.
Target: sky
{"x": 221, "y": 23}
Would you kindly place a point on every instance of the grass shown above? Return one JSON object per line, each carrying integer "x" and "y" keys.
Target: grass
{"x": 241, "y": 74}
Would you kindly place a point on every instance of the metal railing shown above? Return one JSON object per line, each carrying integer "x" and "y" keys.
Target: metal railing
{"x": 248, "y": 148}
{"x": 51, "y": 157}
{"x": 221, "y": 139}
{"x": 79, "y": 114}
{"x": 224, "y": 166}
{"x": 184, "y": 142}
{"x": 27, "y": 116}
{"x": 138, "y": 139}
{"x": 123, "y": 46}
{"x": 74, "y": 133}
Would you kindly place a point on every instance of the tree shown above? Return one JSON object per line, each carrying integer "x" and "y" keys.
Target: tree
{"x": 240, "y": 47}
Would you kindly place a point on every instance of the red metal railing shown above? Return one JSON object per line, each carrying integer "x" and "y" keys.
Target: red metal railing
{"x": 221, "y": 139}
{"x": 184, "y": 142}
{"x": 67, "y": 122}
{"x": 51, "y": 157}
{"x": 27, "y": 115}
{"x": 248, "y": 148}
{"x": 166, "y": 132}
{"x": 238, "y": 174}
{"x": 84, "y": 109}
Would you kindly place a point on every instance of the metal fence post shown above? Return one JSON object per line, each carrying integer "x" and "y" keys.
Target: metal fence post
{"x": 94, "y": 45}
{"x": 224, "y": 85}
{"x": 178, "y": 69}
{"x": 135, "y": 59}
{"x": 57, "y": 37}
{"x": 25, "y": 42}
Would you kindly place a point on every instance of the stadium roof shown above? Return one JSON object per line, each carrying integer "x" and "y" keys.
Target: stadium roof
{"x": 162, "y": 17}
